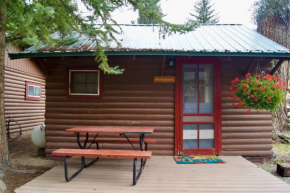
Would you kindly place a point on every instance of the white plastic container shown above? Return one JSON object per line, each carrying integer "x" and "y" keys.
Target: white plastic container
{"x": 38, "y": 136}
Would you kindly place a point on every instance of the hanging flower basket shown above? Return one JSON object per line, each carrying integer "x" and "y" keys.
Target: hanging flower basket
{"x": 260, "y": 92}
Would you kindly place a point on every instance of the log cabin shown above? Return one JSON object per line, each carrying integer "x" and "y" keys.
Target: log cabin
{"x": 177, "y": 84}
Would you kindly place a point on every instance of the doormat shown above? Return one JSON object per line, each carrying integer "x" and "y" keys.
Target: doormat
{"x": 209, "y": 159}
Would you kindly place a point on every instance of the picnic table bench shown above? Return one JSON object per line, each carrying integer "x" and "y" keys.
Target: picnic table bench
{"x": 135, "y": 154}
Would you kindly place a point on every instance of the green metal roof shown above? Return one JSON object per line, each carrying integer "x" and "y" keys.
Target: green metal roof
{"x": 206, "y": 40}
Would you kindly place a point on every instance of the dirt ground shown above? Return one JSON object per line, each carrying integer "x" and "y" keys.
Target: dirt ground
{"x": 26, "y": 161}
{"x": 282, "y": 152}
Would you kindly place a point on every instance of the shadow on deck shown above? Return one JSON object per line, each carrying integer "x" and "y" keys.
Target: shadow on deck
{"x": 161, "y": 174}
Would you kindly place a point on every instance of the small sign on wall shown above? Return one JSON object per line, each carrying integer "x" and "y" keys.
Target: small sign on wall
{"x": 164, "y": 79}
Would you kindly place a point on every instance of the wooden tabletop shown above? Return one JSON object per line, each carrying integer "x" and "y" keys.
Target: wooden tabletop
{"x": 107, "y": 129}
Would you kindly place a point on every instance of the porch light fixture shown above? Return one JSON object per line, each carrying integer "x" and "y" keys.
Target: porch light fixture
{"x": 171, "y": 62}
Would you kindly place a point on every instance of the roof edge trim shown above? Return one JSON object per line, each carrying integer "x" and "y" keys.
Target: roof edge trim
{"x": 151, "y": 53}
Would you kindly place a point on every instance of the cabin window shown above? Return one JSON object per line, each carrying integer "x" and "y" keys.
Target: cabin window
{"x": 84, "y": 83}
{"x": 33, "y": 91}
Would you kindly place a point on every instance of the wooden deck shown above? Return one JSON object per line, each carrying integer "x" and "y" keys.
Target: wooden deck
{"x": 161, "y": 175}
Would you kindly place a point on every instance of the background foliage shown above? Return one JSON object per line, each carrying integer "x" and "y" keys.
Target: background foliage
{"x": 204, "y": 12}
{"x": 280, "y": 8}
{"x": 154, "y": 5}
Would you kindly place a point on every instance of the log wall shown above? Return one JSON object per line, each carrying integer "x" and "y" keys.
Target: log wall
{"x": 130, "y": 99}
{"x": 26, "y": 112}
{"x": 242, "y": 133}
{"x": 133, "y": 99}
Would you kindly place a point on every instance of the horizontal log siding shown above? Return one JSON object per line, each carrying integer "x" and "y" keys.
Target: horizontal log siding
{"x": 24, "y": 65}
{"x": 27, "y": 113}
{"x": 130, "y": 99}
{"x": 133, "y": 99}
{"x": 243, "y": 134}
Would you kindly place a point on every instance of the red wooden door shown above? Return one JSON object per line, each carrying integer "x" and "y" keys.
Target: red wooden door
{"x": 198, "y": 107}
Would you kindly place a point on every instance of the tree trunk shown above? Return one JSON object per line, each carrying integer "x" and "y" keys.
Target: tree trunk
{"x": 278, "y": 31}
{"x": 3, "y": 139}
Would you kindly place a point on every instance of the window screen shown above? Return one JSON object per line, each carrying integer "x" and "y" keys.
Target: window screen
{"x": 33, "y": 91}
{"x": 84, "y": 82}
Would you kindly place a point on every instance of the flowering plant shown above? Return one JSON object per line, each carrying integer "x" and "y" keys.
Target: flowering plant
{"x": 260, "y": 92}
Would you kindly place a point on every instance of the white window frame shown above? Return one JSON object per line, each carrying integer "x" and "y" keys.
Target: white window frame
{"x": 34, "y": 91}
{"x": 34, "y": 85}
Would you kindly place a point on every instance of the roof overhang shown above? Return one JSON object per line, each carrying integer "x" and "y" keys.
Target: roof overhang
{"x": 285, "y": 56}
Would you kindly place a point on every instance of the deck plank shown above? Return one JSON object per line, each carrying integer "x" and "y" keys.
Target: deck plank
{"x": 161, "y": 174}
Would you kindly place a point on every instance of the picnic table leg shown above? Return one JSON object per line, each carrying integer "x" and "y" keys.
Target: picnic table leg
{"x": 143, "y": 161}
{"x": 79, "y": 141}
{"x": 84, "y": 146}
{"x": 130, "y": 142}
{"x": 66, "y": 170}
{"x": 142, "y": 144}
{"x": 135, "y": 175}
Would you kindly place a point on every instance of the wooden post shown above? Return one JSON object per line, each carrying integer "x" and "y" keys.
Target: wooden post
{"x": 277, "y": 66}
{"x": 44, "y": 69}
{"x": 163, "y": 65}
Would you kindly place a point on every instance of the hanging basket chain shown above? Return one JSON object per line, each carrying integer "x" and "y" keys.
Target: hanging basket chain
{"x": 258, "y": 68}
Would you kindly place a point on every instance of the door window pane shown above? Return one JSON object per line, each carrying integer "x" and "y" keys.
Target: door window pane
{"x": 190, "y": 136}
{"x": 190, "y": 89}
{"x": 206, "y": 94}
{"x": 206, "y": 136}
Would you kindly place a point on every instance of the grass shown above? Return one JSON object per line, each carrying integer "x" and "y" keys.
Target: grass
{"x": 283, "y": 156}
{"x": 282, "y": 150}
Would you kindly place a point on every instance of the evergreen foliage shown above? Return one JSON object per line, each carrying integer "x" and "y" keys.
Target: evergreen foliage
{"x": 204, "y": 12}
{"x": 149, "y": 19}
{"x": 30, "y": 22}
{"x": 280, "y": 8}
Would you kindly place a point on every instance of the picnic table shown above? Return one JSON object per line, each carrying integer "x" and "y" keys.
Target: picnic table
{"x": 85, "y": 150}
